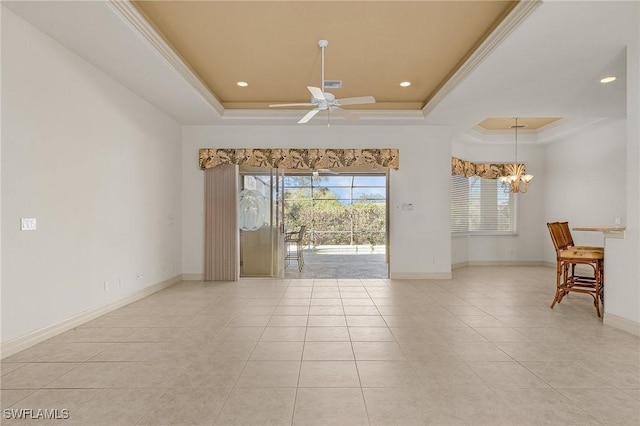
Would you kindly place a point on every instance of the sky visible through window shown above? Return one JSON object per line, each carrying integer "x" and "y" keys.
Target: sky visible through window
{"x": 347, "y": 189}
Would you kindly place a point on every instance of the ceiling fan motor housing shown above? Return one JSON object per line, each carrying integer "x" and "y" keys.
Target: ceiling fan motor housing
{"x": 329, "y": 100}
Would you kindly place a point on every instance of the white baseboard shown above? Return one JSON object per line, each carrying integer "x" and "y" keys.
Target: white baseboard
{"x": 427, "y": 276}
{"x": 621, "y": 323}
{"x": 192, "y": 277}
{"x": 502, "y": 263}
{"x": 23, "y": 342}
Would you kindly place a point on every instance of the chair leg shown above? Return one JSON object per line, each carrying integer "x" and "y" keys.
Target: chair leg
{"x": 555, "y": 296}
{"x": 601, "y": 287}
{"x": 559, "y": 294}
{"x": 596, "y": 302}
{"x": 599, "y": 296}
{"x": 299, "y": 256}
{"x": 562, "y": 272}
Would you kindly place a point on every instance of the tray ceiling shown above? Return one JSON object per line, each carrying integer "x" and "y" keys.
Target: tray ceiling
{"x": 529, "y": 123}
{"x": 373, "y": 46}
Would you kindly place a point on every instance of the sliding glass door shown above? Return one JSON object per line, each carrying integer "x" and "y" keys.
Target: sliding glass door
{"x": 260, "y": 222}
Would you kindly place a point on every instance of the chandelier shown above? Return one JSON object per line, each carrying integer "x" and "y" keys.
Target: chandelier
{"x": 516, "y": 180}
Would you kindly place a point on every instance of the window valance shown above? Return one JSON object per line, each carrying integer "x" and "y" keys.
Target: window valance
{"x": 300, "y": 159}
{"x": 484, "y": 170}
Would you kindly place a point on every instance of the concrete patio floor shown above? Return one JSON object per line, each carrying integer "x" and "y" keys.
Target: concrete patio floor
{"x": 341, "y": 262}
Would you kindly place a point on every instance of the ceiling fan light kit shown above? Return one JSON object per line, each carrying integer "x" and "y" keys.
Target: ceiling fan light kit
{"x": 325, "y": 101}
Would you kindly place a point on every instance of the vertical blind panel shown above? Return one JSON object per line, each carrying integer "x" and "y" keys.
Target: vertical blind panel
{"x": 481, "y": 205}
{"x": 222, "y": 245}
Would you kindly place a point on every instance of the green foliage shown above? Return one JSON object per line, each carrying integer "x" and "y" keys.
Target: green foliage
{"x": 368, "y": 222}
{"x": 330, "y": 222}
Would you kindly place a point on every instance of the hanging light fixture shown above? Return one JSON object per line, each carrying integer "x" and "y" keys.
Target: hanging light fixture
{"x": 516, "y": 180}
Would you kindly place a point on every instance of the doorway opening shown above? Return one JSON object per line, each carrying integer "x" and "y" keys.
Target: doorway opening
{"x": 345, "y": 217}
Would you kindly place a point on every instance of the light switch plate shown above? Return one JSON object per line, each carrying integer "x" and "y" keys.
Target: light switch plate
{"x": 407, "y": 206}
{"x": 28, "y": 224}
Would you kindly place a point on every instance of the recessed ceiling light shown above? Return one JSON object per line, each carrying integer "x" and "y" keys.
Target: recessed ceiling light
{"x": 242, "y": 83}
{"x": 405, "y": 84}
{"x": 608, "y": 79}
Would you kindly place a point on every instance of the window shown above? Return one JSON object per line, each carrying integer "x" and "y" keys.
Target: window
{"x": 480, "y": 206}
{"x": 337, "y": 209}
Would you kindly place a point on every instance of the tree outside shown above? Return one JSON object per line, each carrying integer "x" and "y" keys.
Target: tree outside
{"x": 331, "y": 220}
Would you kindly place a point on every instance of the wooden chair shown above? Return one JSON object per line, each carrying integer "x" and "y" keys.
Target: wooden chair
{"x": 568, "y": 256}
{"x": 293, "y": 247}
{"x": 566, "y": 232}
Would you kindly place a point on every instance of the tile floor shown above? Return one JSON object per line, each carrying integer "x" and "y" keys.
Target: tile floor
{"x": 481, "y": 349}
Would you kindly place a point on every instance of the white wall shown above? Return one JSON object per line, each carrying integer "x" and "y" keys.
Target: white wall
{"x": 98, "y": 167}
{"x": 420, "y": 239}
{"x": 622, "y": 268}
{"x": 592, "y": 178}
{"x": 586, "y": 181}
{"x": 527, "y": 245}
{"x": 605, "y": 166}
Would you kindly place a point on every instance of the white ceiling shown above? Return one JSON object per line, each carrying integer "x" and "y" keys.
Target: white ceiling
{"x": 548, "y": 66}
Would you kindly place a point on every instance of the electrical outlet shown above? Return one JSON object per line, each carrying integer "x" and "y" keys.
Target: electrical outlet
{"x": 107, "y": 286}
{"x": 618, "y": 221}
{"x": 140, "y": 276}
{"x": 28, "y": 224}
{"x": 119, "y": 282}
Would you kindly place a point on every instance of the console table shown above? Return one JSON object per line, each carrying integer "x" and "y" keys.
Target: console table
{"x": 608, "y": 231}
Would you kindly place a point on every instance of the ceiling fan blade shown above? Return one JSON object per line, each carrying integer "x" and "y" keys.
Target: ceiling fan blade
{"x": 316, "y": 92}
{"x": 346, "y": 114}
{"x": 291, "y": 105}
{"x": 358, "y": 100}
{"x": 309, "y": 116}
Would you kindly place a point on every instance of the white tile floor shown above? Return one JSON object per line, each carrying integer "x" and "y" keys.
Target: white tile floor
{"x": 483, "y": 348}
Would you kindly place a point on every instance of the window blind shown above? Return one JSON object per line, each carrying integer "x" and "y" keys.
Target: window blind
{"x": 480, "y": 206}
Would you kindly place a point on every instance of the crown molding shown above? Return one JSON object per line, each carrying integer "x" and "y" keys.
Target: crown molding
{"x": 367, "y": 117}
{"x": 137, "y": 22}
{"x": 523, "y": 9}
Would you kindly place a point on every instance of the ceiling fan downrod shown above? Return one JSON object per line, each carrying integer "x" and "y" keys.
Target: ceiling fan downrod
{"x": 322, "y": 44}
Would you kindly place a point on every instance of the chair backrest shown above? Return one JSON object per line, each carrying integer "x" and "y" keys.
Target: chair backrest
{"x": 296, "y": 236}
{"x": 566, "y": 232}
{"x": 558, "y": 236}
{"x": 303, "y": 228}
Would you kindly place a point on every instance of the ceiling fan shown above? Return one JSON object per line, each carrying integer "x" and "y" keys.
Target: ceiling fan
{"x": 327, "y": 101}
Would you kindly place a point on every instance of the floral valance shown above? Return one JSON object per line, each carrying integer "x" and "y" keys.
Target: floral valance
{"x": 300, "y": 159}
{"x": 484, "y": 170}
